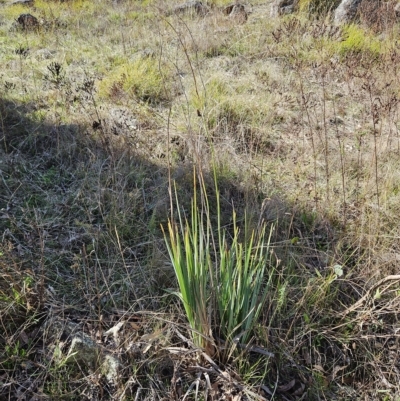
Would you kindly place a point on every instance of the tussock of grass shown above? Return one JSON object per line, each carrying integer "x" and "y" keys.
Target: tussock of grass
{"x": 214, "y": 272}
{"x": 141, "y": 79}
{"x": 359, "y": 40}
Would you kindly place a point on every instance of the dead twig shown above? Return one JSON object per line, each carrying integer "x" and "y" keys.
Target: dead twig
{"x": 362, "y": 300}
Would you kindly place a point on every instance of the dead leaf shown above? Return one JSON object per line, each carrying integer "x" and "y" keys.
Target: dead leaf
{"x": 214, "y": 393}
{"x": 23, "y": 337}
{"x": 287, "y": 387}
{"x": 176, "y": 350}
{"x": 336, "y": 370}
{"x": 152, "y": 336}
{"x": 307, "y": 357}
{"x": 146, "y": 348}
{"x": 226, "y": 376}
{"x": 114, "y": 330}
{"x": 319, "y": 368}
{"x": 134, "y": 326}
{"x": 300, "y": 390}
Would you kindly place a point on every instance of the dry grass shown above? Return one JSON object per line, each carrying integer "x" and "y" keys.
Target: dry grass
{"x": 104, "y": 104}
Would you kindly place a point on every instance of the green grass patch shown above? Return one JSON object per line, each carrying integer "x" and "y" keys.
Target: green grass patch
{"x": 359, "y": 40}
{"x": 141, "y": 79}
{"x": 227, "y": 106}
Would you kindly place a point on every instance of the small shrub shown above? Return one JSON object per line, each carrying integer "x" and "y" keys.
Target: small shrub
{"x": 379, "y": 16}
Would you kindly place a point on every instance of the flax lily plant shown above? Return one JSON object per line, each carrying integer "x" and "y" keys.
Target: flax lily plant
{"x": 223, "y": 278}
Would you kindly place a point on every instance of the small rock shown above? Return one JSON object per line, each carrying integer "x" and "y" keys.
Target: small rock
{"x": 148, "y": 52}
{"x": 111, "y": 368}
{"x": 45, "y": 54}
{"x": 336, "y": 120}
{"x": 282, "y": 7}
{"x": 236, "y": 11}
{"x": 397, "y": 10}
{"x": 28, "y": 21}
{"x": 192, "y": 8}
{"x": 26, "y": 2}
{"x": 287, "y": 10}
{"x": 347, "y": 11}
{"x": 83, "y": 350}
{"x": 123, "y": 119}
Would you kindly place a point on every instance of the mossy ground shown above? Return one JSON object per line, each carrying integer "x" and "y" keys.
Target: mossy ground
{"x": 107, "y": 103}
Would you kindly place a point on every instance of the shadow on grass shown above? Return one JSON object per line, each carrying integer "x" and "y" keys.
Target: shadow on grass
{"x": 80, "y": 216}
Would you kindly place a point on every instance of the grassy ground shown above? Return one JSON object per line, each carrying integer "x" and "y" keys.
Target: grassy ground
{"x": 105, "y": 104}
